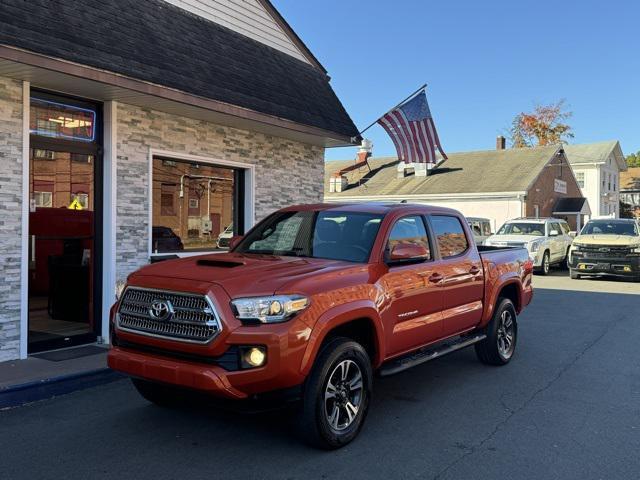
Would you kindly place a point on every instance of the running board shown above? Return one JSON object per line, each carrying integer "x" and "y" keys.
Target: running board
{"x": 426, "y": 354}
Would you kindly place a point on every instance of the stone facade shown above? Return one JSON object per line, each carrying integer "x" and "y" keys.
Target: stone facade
{"x": 10, "y": 216}
{"x": 287, "y": 172}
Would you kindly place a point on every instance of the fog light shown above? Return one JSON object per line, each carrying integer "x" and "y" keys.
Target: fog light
{"x": 253, "y": 357}
{"x": 627, "y": 268}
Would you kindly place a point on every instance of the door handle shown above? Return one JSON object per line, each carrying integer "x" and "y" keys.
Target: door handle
{"x": 435, "y": 278}
{"x": 474, "y": 270}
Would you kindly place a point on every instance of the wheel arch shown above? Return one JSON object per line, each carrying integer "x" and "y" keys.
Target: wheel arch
{"x": 362, "y": 324}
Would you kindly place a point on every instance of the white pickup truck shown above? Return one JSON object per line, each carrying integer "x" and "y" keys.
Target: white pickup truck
{"x": 547, "y": 240}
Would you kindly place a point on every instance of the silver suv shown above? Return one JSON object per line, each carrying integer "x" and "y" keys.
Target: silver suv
{"x": 547, "y": 240}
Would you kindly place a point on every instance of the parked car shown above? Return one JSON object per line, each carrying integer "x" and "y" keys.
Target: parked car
{"x": 607, "y": 247}
{"x": 225, "y": 237}
{"x": 481, "y": 228}
{"x": 547, "y": 239}
{"x": 163, "y": 239}
{"x": 311, "y": 302}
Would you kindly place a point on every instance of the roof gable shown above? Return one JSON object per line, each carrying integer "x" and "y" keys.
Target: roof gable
{"x": 597, "y": 153}
{"x": 257, "y": 19}
{"x": 161, "y": 44}
{"x": 512, "y": 170}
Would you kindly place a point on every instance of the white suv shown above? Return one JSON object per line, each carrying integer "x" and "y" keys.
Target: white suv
{"x": 547, "y": 239}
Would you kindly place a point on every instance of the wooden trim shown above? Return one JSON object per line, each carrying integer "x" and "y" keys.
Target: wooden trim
{"x": 140, "y": 86}
{"x": 293, "y": 36}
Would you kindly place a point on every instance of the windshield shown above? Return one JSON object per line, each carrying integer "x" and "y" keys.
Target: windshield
{"x": 328, "y": 234}
{"x": 535, "y": 229}
{"x": 609, "y": 228}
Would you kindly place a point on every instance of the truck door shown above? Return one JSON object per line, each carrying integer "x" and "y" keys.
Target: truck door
{"x": 462, "y": 282}
{"x": 413, "y": 310}
{"x": 556, "y": 237}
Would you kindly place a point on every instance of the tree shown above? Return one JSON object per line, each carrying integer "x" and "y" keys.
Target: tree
{"x": 544, "y": 126}
{"x": 633, "y": 160}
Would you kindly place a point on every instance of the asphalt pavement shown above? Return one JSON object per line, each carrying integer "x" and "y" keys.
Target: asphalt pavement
{"x": 566, "y": 407}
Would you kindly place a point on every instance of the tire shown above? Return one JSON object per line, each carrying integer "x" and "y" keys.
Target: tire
{"x": 565, "y": 263}
{"x": 574, "y": 275}
{"x": 325, "y": 393}
{"x": 546, "y": 264}
{"x": 161, "y": 395}
{"x": 490, "y": 350}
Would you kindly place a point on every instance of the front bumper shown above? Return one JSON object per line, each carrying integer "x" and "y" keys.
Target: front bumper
{"x": 208, "y": 367}
{"x": 604, "y": 266}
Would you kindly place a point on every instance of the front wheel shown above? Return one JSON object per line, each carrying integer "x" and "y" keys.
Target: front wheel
{"x": 502, "y": 333}
{"x": 337, "y": 395}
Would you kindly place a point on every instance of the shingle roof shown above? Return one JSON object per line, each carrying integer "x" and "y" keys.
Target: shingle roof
{"x": 511, "y": 170}
{"x": 590, "y": 152}
{"x": 630, "y": 180}
{"x": 154, "y": 41}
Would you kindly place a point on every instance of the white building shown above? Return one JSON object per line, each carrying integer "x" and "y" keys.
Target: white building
{"x": 597, "y": 167}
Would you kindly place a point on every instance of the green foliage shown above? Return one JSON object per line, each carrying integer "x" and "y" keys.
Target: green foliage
{"x": 633, "y": 159}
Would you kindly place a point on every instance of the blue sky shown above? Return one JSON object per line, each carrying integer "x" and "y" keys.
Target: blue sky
{"x": 484, "y": 61}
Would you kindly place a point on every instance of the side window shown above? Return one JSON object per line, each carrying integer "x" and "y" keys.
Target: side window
{"x": 556, "y": 226}
{"x": 450, "y": 235}
{"x": 486, "y": 228}
{"x": 565, "y": 228}
{"x": 409, "y": 230}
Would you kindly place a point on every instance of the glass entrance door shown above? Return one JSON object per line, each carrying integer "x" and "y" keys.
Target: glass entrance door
{"x": 63, "y": 276}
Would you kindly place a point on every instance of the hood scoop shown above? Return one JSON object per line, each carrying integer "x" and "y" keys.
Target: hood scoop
{"x": 208, "y": 262}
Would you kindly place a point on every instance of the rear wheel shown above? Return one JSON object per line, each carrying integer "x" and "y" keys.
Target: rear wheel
{"x": 502, "y": 333}
{"x": 546, "y": 264}
{"x": 337, "y": 395}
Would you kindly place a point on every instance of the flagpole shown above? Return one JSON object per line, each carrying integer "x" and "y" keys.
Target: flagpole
{"x": 403, "y": 101}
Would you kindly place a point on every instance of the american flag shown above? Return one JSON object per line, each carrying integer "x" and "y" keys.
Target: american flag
{"x": 413, "y": 132}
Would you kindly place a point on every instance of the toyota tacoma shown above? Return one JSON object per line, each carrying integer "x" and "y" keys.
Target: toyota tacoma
{"x": 314, "y": 300}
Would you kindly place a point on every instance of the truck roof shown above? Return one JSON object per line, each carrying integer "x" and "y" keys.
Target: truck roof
{"x": 370, "y": 207}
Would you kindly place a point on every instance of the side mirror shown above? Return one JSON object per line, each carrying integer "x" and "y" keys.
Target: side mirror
{"x": 403, "y": 252}
{"x": 235, "y": 240}
{"x": 554, "y": 233}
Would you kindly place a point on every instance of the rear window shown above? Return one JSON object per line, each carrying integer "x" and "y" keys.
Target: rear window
{"x": 449, "y": 235}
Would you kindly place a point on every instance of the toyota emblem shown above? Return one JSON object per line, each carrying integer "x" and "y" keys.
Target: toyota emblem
{"x": 161, "y": 310}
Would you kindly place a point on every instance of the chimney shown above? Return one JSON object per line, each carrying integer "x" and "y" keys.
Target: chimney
{"x": 501, "y": 143}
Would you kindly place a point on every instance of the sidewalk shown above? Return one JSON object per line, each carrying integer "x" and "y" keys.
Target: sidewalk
{"x": 54, "y": 373}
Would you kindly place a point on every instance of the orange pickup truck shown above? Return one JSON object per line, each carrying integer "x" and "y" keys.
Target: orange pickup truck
{"x": 312, "y": 301}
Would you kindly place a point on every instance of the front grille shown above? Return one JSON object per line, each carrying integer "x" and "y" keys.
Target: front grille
{"x": 605, "y": 252}
{"x": 190, "y": 317}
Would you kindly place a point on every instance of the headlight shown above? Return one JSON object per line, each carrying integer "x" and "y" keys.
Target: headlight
{"x": 120, "y": 284}
{"x": 276, "y": 309}
{"x": 636, "y": 249}
{"x": 534, "y": 246}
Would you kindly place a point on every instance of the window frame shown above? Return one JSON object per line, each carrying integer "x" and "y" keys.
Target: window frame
{"x": 386, "y": 252}
{"x": 464, "y": 230}
{"x": 244, "y": 204}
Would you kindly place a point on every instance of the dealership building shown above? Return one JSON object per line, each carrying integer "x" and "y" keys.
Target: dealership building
{"x": 135, "y": 131}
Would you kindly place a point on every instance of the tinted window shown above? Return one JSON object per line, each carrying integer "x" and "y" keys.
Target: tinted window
{"x": 409, "y": 230}
{"x": 450, "y": 235}
{"x": 565, "y": 228}
{"x": 524, "y": 228}
{"x": 332, "y": 235}
{"x": 609, "y": 228}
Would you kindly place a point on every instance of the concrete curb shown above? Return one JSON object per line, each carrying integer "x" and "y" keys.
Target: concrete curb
{"x": 21, "y": 394}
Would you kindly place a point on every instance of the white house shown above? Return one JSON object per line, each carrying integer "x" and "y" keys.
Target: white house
{"x": 597, "y": 167}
